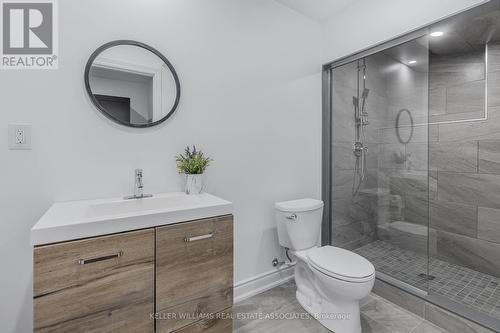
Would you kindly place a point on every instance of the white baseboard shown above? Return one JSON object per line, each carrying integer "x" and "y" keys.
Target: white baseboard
{"x": 260, "y": 283}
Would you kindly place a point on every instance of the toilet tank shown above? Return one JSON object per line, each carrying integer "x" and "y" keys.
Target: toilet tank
{"x": 299, "y": 223}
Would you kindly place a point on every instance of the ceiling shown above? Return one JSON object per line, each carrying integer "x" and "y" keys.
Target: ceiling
{"x": 317, "y": 10}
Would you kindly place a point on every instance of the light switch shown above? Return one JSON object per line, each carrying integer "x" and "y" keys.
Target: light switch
{"x": 19, "y": 136}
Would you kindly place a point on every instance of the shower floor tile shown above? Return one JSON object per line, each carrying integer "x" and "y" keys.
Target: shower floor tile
{"x": 463, "y": 285}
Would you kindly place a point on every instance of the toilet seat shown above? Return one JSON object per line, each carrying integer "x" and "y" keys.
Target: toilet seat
{"x": 341, "y": 264}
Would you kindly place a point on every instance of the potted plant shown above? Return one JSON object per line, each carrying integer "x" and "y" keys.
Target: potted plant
{"x": 193, "y": 164}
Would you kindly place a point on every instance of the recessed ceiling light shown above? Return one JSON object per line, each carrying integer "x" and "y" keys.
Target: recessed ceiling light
{"x": 412, "y": 62}
{"x": 437, "y": 33}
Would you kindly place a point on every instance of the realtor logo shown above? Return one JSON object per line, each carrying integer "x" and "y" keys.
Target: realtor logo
{"x": 29, "y": 35}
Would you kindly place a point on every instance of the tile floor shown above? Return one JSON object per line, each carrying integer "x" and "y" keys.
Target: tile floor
{"x": 463, "y": 285}
{"x": 378, "y": 315}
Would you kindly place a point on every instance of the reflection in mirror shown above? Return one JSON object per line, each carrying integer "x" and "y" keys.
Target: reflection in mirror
{"x": 132, "y": 84}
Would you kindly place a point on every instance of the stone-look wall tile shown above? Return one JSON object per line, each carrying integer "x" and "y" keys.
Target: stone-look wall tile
{"x": 489, "y": 156}
{"x": 416, "y": 184}
{"x": 343, "y": 157}
{"x": 342, "y": 113}
{"x": 476, "y": 130}
{"x": 433, "y": 133}
{"x": 389, "y": 207}
{"x": 417, "y": 156}
{"x": 372, "y": 133}
{"x": 494, "y": 89}
{"x": 341, "y": 212}
{"x": 453, "y": 156}
{"x": 432, "y": 242}
{"x": 342, "y": 184}
{"x": 453, "y": 117}
{"x": 392, "y": 156}
{"x": 405, "y": 183}
{"x": 346, "y": 75}
{"x": 493, "y": 57}
{"x": 437, "y": 101}
{"x": 354, "y": 232}
{"x": 453, "y": 217}
{"x": 360, "y": 208}
{"x": 467, "y": 97}
{"x": 474, "y": 189}
{"x": 469, "y": 252}
{"x": 452, "y": 70}
{"x": 416, "y": 210}
{"x": 421, "y": 134}
{"x": 373, "y": 155}
{"x": 452, "y": 322}
{"x": 371, "y": 180}
{"x": 489, "y": 224}
{"x": 433, "y": 184}
{"x": 405, "y": 235}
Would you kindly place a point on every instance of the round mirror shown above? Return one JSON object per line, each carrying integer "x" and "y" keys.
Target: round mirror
{"x": 404, "y": 126}
{"x": 132, "y": 84}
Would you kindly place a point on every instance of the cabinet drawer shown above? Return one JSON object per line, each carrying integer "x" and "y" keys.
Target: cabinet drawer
{"x": 103, "y": 284}
{"x": 194, "y": 271}
{"x": 220, "y": 323}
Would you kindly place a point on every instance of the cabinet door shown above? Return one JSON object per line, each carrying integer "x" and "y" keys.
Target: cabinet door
{"x": 219, "y": 323}
{"x": 194, "y": 271}
{"x": 103, "y": 284}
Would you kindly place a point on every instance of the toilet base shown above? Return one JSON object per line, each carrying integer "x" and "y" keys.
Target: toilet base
{"x": 339, "y": 318}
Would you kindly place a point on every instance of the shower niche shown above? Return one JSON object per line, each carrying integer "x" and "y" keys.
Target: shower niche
{"x": 412, "y": 164}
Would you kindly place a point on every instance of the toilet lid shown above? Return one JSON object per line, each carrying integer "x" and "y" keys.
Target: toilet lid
{"x": 341, "y": 264}
{"x": 301, "y": 205}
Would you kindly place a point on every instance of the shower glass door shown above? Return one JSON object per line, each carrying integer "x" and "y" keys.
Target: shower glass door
{"x": 380, "y": 170}
{"x": 412, "y": 161}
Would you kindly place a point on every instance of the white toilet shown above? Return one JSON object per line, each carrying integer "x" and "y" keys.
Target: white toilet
{"x": 330, "y": 281}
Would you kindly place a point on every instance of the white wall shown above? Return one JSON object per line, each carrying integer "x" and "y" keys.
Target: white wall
{"x": 367, "y": 23}
{"x": 249, "y": 71}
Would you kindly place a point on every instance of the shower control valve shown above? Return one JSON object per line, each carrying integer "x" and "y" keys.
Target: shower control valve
{"x": 358, "y": 149}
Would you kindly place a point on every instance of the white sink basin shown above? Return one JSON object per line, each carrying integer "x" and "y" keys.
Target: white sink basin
{"x": 88, "y": 218}
{"x": 118, "y": 207}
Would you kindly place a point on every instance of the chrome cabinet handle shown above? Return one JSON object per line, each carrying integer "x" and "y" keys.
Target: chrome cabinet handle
{"x": 197, "y": 238}
{"x": 97, "y": 259}
{"x": 292, "y": 217}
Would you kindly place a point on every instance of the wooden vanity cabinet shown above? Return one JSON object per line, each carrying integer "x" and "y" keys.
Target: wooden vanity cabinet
{"x": 120, "y": 283}
{"x": 194, "y": 276}
{"x": 102, "y": 284}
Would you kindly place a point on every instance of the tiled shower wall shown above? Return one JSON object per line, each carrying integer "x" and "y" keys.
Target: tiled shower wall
{"x": 447, "y": 176}
{"x": 355, "y": 219}
{"x": 465, "y": 213}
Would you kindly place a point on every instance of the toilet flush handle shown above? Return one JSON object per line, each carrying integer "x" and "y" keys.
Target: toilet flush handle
{"x": 292, "y": 217}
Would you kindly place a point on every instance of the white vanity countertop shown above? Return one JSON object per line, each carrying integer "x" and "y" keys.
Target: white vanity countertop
{"x": 89, "y": 218}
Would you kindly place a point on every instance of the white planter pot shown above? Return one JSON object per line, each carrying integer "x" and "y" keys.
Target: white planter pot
{"x": 194, "y": 184}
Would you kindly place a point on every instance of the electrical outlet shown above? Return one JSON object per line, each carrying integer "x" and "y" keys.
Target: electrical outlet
{"x": 19, "y": 136}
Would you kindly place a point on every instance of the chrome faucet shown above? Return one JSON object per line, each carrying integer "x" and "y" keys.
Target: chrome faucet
{"x": 139, "y": 186}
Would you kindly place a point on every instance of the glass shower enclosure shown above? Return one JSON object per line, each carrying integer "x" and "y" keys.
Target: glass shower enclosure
{"x": 411, "y": 161}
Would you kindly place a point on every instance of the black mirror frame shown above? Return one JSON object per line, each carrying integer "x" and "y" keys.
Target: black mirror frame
{"x": 412, "y": 126}
{"x": 96, "y": 103}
